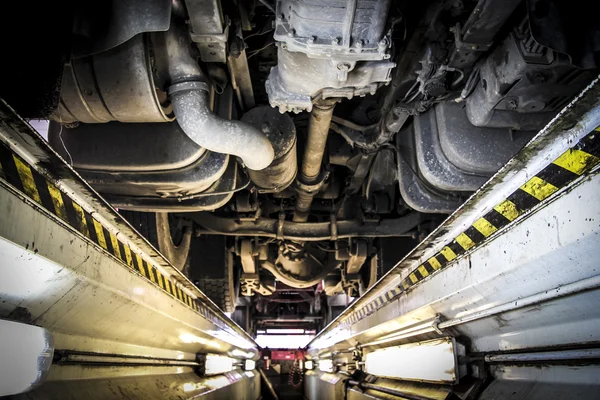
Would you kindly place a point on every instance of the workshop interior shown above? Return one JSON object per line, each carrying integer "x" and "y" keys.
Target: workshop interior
{"x": 300, "y": 199}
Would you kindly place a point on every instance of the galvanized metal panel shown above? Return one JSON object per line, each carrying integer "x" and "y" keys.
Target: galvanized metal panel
{"x": 567, "y": 129}
{"x": 43, "y": 166}
{"x": 409, "y": 389}
{"x": 323, "y": 385}
{"x": 62, "y": 282}
{"x": 581, "y": 382}
{"x": 556, "y": 246}
{"x": 431, "y": 360}
{"x": 117, "y": 383}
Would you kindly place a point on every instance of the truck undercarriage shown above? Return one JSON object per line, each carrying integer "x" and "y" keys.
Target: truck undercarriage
{"x": 346, "y": 199}
{"x": 282, "y": 155}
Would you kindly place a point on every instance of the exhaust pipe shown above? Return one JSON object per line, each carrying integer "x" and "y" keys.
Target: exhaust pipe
{"x": 191, "y": 107}
{"x": 189, "y": 94}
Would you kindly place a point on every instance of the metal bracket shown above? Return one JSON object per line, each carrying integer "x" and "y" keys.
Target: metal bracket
{"x": 250, "y": 284}
{"x": 247, "y": 257}
{"x": 358, "y": 256}
{"x": 212, "y": 46}
{"x": 312, "y": 188}
{"x": 435, "y": 324}
{"x": 210, "y": 38}
{"x": 465, "y": 53}
{"x": 462, "y": 45}
{"x": 357, "y": 357}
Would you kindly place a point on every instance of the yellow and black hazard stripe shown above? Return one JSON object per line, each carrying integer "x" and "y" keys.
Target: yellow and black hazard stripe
{"x": 26, "y": 179}
{"x": 569, "y": 166}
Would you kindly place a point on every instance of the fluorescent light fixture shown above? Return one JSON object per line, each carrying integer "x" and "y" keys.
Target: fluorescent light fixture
{"x": 309, "y": 364}
{"x": 249, "y": 365}
{"x": 285, "y": 331}
{"x": 283, "y": 341}
{"x": 432, "y": 360}
{"x": 325, "y": 365}
{"x": 27, "y": 352}
{"x": 215, "y": 364}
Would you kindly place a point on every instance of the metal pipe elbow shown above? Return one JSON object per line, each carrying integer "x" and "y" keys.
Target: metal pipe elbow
{"x": 191, "y": 107}
{"x": 190, "y": 101}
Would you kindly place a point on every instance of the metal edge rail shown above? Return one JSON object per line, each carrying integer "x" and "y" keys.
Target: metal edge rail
{"x": 29, "y": 165}
{"x": 560, "y": 154}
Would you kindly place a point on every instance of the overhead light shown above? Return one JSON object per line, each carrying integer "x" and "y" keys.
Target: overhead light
{"x": 325, "y": 365}
{"x": 432, "y": 360}
{"x": 215, "y": 364}
{"x": 283, "y": 341}
{"x": 309, "y": 364}
{"x": 249, "y": 365}
{"x": 285, "y": 331}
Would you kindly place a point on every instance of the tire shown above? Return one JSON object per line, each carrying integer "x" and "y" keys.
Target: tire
{"x": 369, "y": 273}
{"x": 392, "y": 250}
{"x": 157, "y": 228}
{"x": 213, "y": 270}
{"x": 241, "y": 316}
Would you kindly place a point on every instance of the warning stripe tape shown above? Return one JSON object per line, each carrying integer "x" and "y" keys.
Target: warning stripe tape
{"x": 26, "y": 179}
{"x": 570, "y": 165}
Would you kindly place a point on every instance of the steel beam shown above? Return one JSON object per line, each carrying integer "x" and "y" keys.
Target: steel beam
{"x": 521, "y": 241}
{"x": 113, "y": 305}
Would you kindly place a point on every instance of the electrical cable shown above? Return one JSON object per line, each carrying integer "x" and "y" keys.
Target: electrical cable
{"x": 325, "y": 249}
{"x": 255, "y": 52}
{"x": 270, "y": 7}
{"x": 295, "y": 370}
{"x": 61, "y": 139}
{"x": 258, "y": 34}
